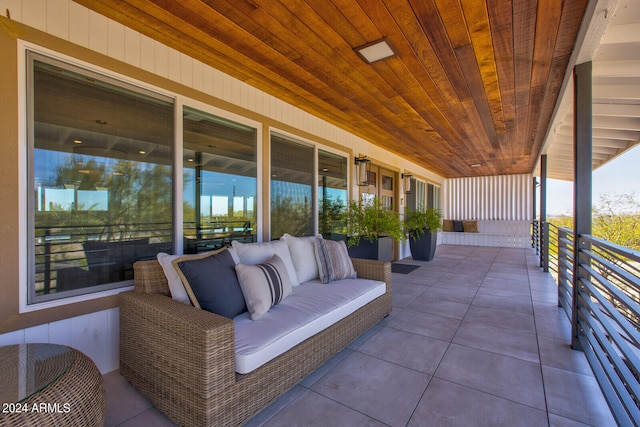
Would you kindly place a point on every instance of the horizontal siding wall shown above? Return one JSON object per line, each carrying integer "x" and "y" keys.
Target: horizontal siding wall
{"x": 504, "y": 197}
{"x": 96, "y": 334}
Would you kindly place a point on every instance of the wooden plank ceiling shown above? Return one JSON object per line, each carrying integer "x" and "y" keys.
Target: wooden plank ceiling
{"x": 472, "y": 82}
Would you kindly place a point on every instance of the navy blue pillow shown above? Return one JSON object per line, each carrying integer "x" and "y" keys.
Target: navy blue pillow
{"x": 458, "y": 226}
{"x": 212, "y": 282}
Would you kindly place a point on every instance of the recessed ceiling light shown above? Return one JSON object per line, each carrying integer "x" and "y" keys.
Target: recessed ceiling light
{"x": 77, "y": 141}
{"x": 476, "y": 165}
{"x": 375, "y": 51}
{"x": 142, "y": 152}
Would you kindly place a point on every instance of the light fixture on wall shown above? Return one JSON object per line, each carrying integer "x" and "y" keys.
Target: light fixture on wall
{"x": 406, "y": 182}
{"x": 375, "y": 51}
{"x": 363, "y": 166}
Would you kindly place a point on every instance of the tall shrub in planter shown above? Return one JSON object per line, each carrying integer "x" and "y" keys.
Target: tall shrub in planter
{"x": 369, "y": 222}
{"x": 422, "y": 226}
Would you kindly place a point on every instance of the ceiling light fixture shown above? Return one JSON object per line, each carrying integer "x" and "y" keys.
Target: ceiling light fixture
{"x": 476, "y": 165}
{"x": 375, "y": 51}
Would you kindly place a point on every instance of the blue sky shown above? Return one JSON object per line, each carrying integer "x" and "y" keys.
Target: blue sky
{"x": 619, "y": 176}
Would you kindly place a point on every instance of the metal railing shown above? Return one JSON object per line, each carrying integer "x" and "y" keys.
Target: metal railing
{"x": 62, "y": 247}
{"x": 61, "y": 250}
{"x": 604, "y": 309}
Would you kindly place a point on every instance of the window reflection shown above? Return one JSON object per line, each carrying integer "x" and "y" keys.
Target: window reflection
{"x": 292, "y": 203}
{"x": 219, "y": 181}
{"x": 100, "y": 177}
{"x": 332, "y": 195}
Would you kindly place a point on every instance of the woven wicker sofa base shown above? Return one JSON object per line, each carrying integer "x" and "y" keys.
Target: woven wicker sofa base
{"x": 182, "y": 359}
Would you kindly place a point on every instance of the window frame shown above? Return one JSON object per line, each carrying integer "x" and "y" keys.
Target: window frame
{"x": 183, "y": 103}
{"x": 31, "y": 57}
{"x": 316, "y": 146}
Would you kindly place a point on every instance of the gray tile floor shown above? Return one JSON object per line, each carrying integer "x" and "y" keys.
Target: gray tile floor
{"x": 475, "y": 339}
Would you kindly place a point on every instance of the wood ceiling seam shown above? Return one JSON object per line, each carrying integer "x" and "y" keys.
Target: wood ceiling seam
{"x": 446, "y": 137}
{"x": 501, "y": 24}
{"x": 524, "y": 13}
{"x": 449, "y": 14}
{"x": 477, "y": 18}
{"x": 456, "y": 134}
{"x": 548, "y": 16}
{"x": 227, "y": 34}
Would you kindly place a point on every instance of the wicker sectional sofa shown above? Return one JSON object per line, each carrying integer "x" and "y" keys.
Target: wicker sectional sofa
{"x": 182, "y": 358}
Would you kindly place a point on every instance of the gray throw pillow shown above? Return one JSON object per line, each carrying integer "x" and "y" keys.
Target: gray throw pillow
{"x": 212, "y": 284}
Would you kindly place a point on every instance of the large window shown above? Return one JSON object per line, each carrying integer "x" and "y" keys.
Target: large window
{"x": 100, "y": 177}
{"x": 292, "y": 186}
{"x": 219, "y": 160}
{"x": 332, "y": 194}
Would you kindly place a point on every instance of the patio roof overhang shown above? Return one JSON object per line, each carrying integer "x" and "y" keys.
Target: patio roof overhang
{"x": 470, "y": 82}
{"x": 611, "y": 40}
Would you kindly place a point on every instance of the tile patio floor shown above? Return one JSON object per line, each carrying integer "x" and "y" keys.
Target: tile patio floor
{"x": 475, "y": 339}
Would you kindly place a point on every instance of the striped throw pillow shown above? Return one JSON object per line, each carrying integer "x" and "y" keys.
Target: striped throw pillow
{"x": 333, "y": 260}
{"x": 263, "y": 285}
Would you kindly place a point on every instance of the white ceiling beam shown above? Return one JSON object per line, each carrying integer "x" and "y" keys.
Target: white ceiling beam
{"x": 615, "y": 93}
{"x": 618, "y": 110}
{"x": 624, "y": 135}
{"x": 625, "y": 33}
{"x": 561, "y": 148}
{"x": 616, "y": 69}
{"x": 621, "y": 123}
{"x": 597, "y": 158}
{"x": 601, "y": 142}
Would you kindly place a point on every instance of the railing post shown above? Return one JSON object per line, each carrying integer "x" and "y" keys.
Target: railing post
{"x": 47, "y": 261}
{"x": 583, "y": 158}
{"x": 544, "y": 243}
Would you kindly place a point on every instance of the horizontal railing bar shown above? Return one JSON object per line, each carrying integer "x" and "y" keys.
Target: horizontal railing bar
{"x": 621, "y": 250}
{"x": 625, "y": 275}
{"x": 605, "y": 352}
{"x": 622, "y": 297}
{"x": 618, "y": 409}
{"x": 610, "y": 329}
{"x": 623, "y": 260}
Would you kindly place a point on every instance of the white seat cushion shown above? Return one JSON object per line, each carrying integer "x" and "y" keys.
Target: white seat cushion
{"x": 311, "y": 308}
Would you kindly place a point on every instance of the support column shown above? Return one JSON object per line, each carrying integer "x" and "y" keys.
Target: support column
{"x": 544, "y": 228}
{"x": 582, "y": 142}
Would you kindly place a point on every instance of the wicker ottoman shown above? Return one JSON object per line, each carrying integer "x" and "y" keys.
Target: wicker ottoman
{"x": 49, "y": 385}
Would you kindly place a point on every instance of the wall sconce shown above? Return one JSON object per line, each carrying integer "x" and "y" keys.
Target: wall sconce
{"x": 363, "y": 166}
{"x": 406, "y": 182}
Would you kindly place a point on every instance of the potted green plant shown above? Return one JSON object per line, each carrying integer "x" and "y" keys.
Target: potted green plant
{"x": 421, "y": 225}
{"x": 371, "y": 229}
